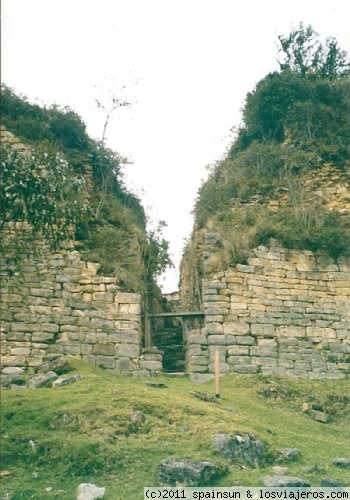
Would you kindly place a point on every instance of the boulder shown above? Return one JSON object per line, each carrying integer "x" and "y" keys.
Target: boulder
{"x": 12, "y": 375}
{"x": 87, "y": 491}
{"x": 341, "y": 462}
{"x": 42, "y": 380}
{"x": 137, "y": 419}
{"x": 285, "y": 481}
{"x": 67, "y": 380}
{"x": 241, "y": 448}
{"x": 54, "y": 362}
{"x": 204, "y": 396}
{"x": 289, "y": 454}
{"x": 12, "y": 370}
{"x": 173, "y": 472}
{"x": 320, "y": 416}
{"x": 330, "y": 483}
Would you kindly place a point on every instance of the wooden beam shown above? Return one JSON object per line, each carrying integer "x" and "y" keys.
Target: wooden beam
{"x": 173, "y": 315}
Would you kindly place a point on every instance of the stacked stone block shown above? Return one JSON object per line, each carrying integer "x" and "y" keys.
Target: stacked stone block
{"x": 59, "y": 304}
{"x": 284, "y": 312}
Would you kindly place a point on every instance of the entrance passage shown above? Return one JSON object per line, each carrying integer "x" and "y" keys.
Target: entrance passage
{"x": 167, "y": 332}
{"x": 170, "y": 341}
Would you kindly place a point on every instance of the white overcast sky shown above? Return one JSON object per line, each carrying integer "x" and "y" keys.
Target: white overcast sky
{"x": 186, "y": 66}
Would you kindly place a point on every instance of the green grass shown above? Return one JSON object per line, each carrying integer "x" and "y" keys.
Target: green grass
{"x": 83, "y": 433}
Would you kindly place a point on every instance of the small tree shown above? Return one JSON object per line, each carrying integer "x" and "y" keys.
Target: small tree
{"x": 303, "y": 53}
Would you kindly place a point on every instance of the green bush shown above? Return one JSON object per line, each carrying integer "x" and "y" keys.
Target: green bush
{"x": 331, "y": 234}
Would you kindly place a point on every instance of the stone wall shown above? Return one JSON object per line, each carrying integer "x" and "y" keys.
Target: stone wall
{"x": 285, "y": 312}
{"x": 56, "y": 303}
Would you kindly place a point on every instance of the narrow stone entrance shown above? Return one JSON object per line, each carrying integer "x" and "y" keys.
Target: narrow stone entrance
{"x": 168, "y": 334}
{"x": 169, "y": 339}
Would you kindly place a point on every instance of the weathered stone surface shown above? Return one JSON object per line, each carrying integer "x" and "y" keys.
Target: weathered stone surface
{"x": 54, "y": 362}
{"x": 12, "y": 375}
{"x": 279, "y": 471}
{"x": 285, "y": 481}
{"x": 320, "y": 416}
{"x": 289, "y": 454}
{"x": 330, "y": 483}
{"x": 173, "y": 472}
{"x": 291, "y": 307}
{"x": 137, "y": 419}
{"x": 42, "y": 380}
{"x": 150, "y": 365}
{"x": 62, "y": 306}
{"x": 13, "y": 371}
{"x": 87, "y": 491}
{"x": 127, "y": 350}
{"x": 205, "y": 396}
{"x": 241, "y": 448}
{"x": 61, "y": 381}
{"x": 201, "y": 377}
{"x": 344, "y": 463}
{"x": 140, "y": 373}
{"x": 106, "y": 361}
{"x": 123, "y": 365}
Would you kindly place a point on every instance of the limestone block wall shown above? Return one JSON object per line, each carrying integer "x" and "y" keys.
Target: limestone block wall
{"x": 285, "y": 312}
{"x": 56, "y": 303}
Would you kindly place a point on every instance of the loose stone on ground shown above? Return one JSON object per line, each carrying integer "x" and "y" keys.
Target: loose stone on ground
{"x": 173, "y": 472}
{"x": 285, "y": 481}
{"x": 241, "y": 448}
{"x": 87, "y": 491}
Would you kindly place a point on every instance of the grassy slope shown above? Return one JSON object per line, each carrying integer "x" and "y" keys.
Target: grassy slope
{"x": 83, "y": 433}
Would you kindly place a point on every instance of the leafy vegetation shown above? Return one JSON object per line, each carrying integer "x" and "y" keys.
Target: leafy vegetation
{"x": 295, "y": 123}
{"x": 66, "y": 184}
{"x": 84, "y": 433}
{"x": 43, "y": 191}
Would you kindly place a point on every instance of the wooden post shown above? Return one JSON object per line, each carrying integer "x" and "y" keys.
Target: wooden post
{"x": 217, "y": 374}
{"x": 147, "y": 325}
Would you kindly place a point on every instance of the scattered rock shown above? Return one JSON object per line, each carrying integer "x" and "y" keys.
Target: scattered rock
{"x": 14, "y": 387}
{"x": 320, "y": 416}
{"x": 341, "y": 462}
{"x": 285, "y": 481}
{"x": 204, "y": 396}
{"x": 54, "y": 362}
{"x": 313, "y": 469}
{"x": 42, "y": 380}
{"x": 280, "y": 471}
{"x": 245, "y": 448}
{"x": 67, "y": 380}
{"x": 156, "y": 385}
{"x": 289, "y": 454}
{"x": 172, "y": 472}
{"x": 137, "y": 419}
{"x": 230, "y": 409}
{"x": 12, "y": 370}
{"x": 12, "y": 375}
{"x": 49, "y": 489}
{"x": 330, "y": 483}
{"x": 87, "y": 491}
